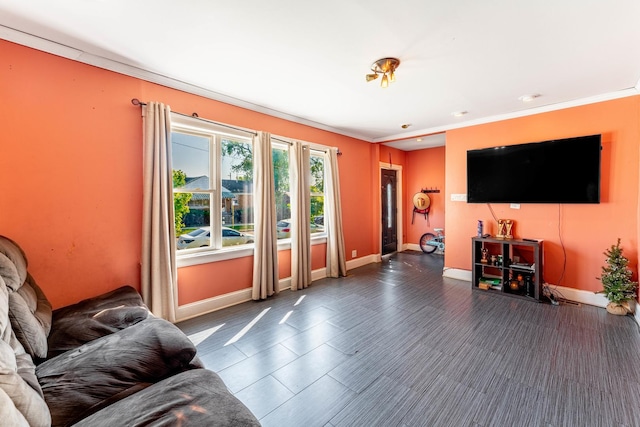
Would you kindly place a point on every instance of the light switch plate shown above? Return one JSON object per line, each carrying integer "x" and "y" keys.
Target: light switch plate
{"x": 458, "y": 197}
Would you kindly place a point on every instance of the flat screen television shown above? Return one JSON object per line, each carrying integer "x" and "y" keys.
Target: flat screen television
{"x": 558, "y": 171}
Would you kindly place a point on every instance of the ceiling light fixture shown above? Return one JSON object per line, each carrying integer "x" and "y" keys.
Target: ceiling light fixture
{"x": 385, "y": 66}
{"x": 529, "y": 98}
{"x": 459, "y": 113}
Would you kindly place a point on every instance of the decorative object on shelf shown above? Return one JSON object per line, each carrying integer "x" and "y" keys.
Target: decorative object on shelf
{"x": 505, "y": 229}
{"x": 514, "y": 285}
{"x": 385, "y": 66}
{"x": 494, "y": 260}
{"x": 619, "y": 289}
{"x": 499, "y": 264}
{"x": 422, "y": 203}
{"x": 485, "y": 256}
{"x": 508, "y": 228}
{"x": 480, "y": 228}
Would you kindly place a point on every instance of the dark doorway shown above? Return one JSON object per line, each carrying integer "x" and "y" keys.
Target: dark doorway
{"x": 388, "y": 192}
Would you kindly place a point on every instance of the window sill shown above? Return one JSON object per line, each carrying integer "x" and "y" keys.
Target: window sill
{"x": 197, "y": 258}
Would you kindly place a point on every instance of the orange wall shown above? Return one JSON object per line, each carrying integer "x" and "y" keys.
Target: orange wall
{"x": 71, "y": 174}
{"x": 586, "y": 230}
{"x": 71, "y": 179}
{"x": 425, "y": 170}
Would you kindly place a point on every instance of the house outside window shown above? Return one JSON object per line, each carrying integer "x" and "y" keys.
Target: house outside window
{"x": 317, "y": 192}
{"x": 281, "y": 177}
{"x": 213, "y": 190}
{"x": 213, "y": 185}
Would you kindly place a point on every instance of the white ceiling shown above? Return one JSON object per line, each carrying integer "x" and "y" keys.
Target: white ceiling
{"x": 306, "y": 61}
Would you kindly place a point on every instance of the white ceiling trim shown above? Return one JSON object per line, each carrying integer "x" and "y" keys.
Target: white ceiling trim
{"x": 58, "y": 49}
{"x": 530, "y": 112}
{"x": 64, "y": 51}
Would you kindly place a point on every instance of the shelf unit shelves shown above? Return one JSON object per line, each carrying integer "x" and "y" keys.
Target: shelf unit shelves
{"x": 519, "y": 273}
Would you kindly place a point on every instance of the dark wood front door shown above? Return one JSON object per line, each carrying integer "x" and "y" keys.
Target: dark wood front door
{"x": 389, "y": 211}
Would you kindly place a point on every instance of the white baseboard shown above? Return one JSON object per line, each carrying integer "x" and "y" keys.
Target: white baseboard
{"x": 456, "y": 273}
{"x": 571, "y": 294}
{"x": 578, "y": 295}
{"x": 187, "y": 311}
{"x": 208, "y": 305}
{"x": 359, "y": 262}
{"x": 412, "y": 247}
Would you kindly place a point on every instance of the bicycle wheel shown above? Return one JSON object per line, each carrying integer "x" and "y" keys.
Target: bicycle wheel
{"x": 428, "y": 243}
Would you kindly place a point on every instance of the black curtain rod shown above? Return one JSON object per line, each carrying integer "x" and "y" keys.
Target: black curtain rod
{"x": 291, "y": 143}
{"x": 136, "y": 101}
{"x": 282, "y": 140}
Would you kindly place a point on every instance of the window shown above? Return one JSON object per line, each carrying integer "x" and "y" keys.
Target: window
{"x": 282, "y": 189}
{"x": 212, "y": 185}
{"x": 213, "y": 189}
{"x": 317, "y": 192}
{"x": 280, "y": 155}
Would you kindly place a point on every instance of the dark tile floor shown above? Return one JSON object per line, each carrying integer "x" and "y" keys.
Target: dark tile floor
{"x": 396, "y": 344}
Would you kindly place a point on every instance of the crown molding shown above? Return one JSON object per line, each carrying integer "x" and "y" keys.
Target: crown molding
{"x": 54, "y": 48}
{"x": 500, "y": 117}
{"x": 58, "y": 49}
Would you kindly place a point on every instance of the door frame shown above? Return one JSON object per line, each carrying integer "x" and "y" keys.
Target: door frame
{"x": 400, "y": 213}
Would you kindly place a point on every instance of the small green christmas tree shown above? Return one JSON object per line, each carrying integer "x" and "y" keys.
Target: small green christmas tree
{"x": 616, "y": 276}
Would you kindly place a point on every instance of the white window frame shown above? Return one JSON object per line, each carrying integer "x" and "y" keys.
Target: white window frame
{"x": 216, "y": 133}
{"x": 318, "y": 149}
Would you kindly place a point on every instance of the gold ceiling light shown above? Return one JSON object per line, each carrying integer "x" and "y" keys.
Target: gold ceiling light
{"x": 386, "y": 67}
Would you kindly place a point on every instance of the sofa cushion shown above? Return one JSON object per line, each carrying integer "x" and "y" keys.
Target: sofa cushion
{"x": 95, "y": 317}
{"x": 15, "y": 271}
{"x": 9, "y": 414}
{"x": 29, "y": 309}
{"x": 18, "y": 381}
{"x": 30, "y": 315}
{"x": 23, "y": 395}
{"x": 82, "y": 381}
{"x": 193, "y": 398}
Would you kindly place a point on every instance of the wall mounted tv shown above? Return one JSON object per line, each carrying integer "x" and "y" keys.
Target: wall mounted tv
{"x": 558, "y": 171}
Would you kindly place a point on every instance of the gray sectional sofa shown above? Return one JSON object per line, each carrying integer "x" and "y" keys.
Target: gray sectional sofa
{"x": 105, "y": 361}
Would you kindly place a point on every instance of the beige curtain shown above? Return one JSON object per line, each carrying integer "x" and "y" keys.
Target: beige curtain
{"x": 265, "y": 256}
{"x": 159, "y": 274}
{"x": 300, "y": 216}
{"x": 336, "y": 257}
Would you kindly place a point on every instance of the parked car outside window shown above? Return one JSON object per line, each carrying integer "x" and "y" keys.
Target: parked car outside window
{"x": 201, "y": 237}
{"x": 283, "y": 228}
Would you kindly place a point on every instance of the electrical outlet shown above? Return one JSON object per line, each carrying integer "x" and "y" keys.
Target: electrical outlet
{"x": 354, "y": 253}
{"x": 458, "y": 197}
{"x": 514, "y": 205}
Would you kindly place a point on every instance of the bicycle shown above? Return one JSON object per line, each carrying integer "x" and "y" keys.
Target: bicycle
{"x": 429, "y": 242}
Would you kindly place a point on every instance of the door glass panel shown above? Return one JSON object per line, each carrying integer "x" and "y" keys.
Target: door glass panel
{"x": 389, "y": 207}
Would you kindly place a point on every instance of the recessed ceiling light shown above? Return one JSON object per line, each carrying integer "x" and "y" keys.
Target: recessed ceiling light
{"x": 529, "y": 98}
{"x": 459, "y": 113}
{"x": 406, "y": 125}
{"x": 419, "y": 140}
